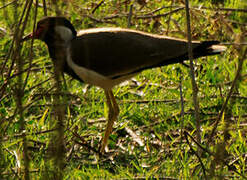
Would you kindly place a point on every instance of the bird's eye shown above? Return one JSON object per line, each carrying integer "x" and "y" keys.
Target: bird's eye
{"x": 39, "y": 31}
{"x": 39, "y": 26}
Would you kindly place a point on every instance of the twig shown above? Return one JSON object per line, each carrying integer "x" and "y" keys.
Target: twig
{"x": 21, "y": 172}
{"x": 20, "y": 90}
{"x": 150, "y": 101}
{"x": 28, "y": 134}
{"x": 134, "y": 136}
{"x": 203, "y": 7}
{"x": 147, "y": 16}
{"x": 159, "y": 9}
{"x": 212, "y": 154}
{"x": 4, "y": 6}
{"x": 11, "y": 53}
{"x": 220, "y": 9}
{"x": 193, "y": 151}
{"x": 11, "y": 77}
{"x": 130, "y": 15}
{"x": 100, "y": 20}
{"x": 169, "y": 19}
{"x": 234, "y": 43}
{"x": 98, "y": 5}
{"x": 44, "y": 7}
{"x": 39, "y": 84}
{"x": 229, "y": 95}
{"x": 83, "y": 142}
{"x": 31, "y": 48}
{"x": 192, "y": 73}
{"x": 182, "y": 108}
{"x": 236, "y": 22}
{"x": 159, "y": 15}
{"x": 16, "y": 57}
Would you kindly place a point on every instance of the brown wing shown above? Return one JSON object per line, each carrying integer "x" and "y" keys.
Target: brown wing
{"x": 116, "y": 52}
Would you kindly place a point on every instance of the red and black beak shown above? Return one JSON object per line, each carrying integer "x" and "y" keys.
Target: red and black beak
{"x": 27, "y": 37}
{"x": 35, "y": 35}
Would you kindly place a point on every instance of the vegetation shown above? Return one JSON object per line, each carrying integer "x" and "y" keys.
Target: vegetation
{"x": 156, "y": 133}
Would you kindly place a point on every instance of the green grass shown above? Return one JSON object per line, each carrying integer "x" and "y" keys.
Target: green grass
{"x": 150, "y": 105}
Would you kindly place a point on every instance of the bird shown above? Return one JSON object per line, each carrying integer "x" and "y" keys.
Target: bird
{"x": 106, "y": 57}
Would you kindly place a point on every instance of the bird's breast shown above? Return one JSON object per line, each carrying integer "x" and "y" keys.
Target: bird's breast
{"x": 91, "y": 76}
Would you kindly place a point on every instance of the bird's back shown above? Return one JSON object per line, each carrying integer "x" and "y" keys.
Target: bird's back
{"x": 114, "y": 52}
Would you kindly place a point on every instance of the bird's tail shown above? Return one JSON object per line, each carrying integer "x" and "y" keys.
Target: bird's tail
{"x": 207, "y": 48}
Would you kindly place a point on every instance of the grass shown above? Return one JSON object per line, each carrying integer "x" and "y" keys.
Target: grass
{"x": 146, "y": 141}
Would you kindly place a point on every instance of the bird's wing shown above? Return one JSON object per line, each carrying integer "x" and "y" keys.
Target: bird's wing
{"x": 116, "y": 52}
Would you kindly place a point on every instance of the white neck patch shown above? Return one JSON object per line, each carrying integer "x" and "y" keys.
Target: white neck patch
{"x": 64, "y": 32}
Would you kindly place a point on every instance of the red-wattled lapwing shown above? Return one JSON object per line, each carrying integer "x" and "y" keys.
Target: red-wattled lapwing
{"x": 105, "y": 57}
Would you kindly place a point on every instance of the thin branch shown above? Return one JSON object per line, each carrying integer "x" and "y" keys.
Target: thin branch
{"x": 220, "y": 9}
{"x": 130, "y": 15}
{"x": 234, "y": 43}
{"x": 11, "y": 53}
{"x": 159, "y": 15}
{"x": 31, "y": 48}
{"x": 159, "y": 9}
{"x": 4, "y": 6}
{"x": 98, "y": 5}
{"x": 199, "y": 7}
{"x": 21, "y": 135}
{"x": 169, "y": 20}
{"x": 150, "y": 101}
{"x": 212, "y": 154}
{"x": 182, "y": 108}
{"x": 100, "y": 20}
{"x": 197, "y": 155}
{"x": 192, "y": 73}
{"x": 204, "y": 7}
{"x": 238, "y": 73}
{"x": 20, "y": 91}
{"x": 44, "y": 7}
{"x": 83, "y": 142}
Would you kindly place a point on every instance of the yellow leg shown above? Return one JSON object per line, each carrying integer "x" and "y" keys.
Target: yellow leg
{"x": 112, "y": 116}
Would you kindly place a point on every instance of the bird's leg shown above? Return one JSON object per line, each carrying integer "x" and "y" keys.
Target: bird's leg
{"x": 112, "y": 116}
{"x": 115, "y": 105}
{"x": 109, "y": 123}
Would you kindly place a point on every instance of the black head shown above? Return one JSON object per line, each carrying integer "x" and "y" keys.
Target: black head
{"x": 51, "y": 29}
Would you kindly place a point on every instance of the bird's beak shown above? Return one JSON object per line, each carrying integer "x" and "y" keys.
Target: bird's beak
{"x": 27, "y": 37}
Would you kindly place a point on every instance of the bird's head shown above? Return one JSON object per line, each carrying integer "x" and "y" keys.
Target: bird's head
{"x": 53, "y": 29}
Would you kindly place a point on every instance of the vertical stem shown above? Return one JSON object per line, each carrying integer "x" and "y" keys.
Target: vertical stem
{"x": 19, "y": 95}
{"x": 44, "y": 8}
{"x": 224, "y": 106}
{"x": 192, "y": 73}
{"x": 56, "y": 148}
{"x": 182, "y": 108}
{"x": 59, "y": 113}
{"x": 31, "y": 48}
{"x": 16, "y": 57}
{"x": 169, "y": 19}
{"x": 130, "y": 15}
